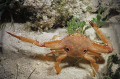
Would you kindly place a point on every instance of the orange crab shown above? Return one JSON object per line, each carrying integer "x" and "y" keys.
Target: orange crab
{"x": 75, "y": 45}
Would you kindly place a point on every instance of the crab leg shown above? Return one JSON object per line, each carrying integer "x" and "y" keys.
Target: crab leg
{"x": 52, "y": 44}
{"x": 93, "y": 63}
{"x": 57, "y": 68}
{"x": 61, "y": 51}
{"x": 55, "y": 36}
{"x": 107, "y": 47}
{"x": 96, "y": 54}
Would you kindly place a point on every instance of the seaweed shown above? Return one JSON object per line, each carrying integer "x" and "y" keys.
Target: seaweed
{"x": 88, "y": 8}
{"x": 99, "y": 20}
{"x": 113, "y": 59}
{"x": 75, "y": 26}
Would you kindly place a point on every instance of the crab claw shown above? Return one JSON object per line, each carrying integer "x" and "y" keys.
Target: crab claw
{"x": 92, "y": 24}
{"x": 52, "y": 44}
{"x": 27, "y": 40}
{"x": 107, "y": 45}
{"x": 14, "y": 35}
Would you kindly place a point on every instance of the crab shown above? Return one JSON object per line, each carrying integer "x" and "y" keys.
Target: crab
{"x": 75, "y": 45}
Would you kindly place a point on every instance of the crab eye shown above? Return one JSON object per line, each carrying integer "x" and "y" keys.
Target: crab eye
{"x": 67, "y": 49}
{"x": 85, "y": 51}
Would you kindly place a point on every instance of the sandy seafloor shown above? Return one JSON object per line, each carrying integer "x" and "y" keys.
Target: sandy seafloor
{"x": 18, "y": 59}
